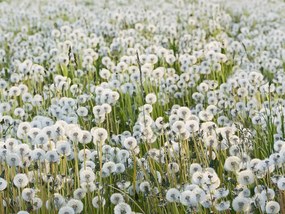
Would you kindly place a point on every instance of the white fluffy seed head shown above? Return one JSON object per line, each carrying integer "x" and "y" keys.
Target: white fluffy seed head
{"x": 116, "y": 198}
{"x": 122, "y": 208}
{"x": 172, "y": 195}
{"x": 272, "y": 207}
{"x": 245, "y": 177}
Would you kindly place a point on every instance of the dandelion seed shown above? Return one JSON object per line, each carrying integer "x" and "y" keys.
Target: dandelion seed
{"x": 98, "y": 201}
{"x": 52, "y": 156}
{"x": 245, "y": 177}
{"x": 38, "y": 154}
{"x": 178, "y": 127}
{"x": 116, "y": 198}
{"x": 28, "y": 194}
{"x": 240, "y": 204}
{"x": 82, "y": 111}
{"x": 145, "y": 187}
{"x": 79, "y": 194}
{"x": 187, "y": 198}
{"x": 120, "y": 168}
{"x": 88, "y": 187}
{"x": 130, "y": 143}
{"x": 151, "y": 98}
{"x": 221, "y": 192}
{"x": 3, "y": 184}
{"x": 63, "y": 148}
{"x": 197, "y": 178}
{"x": 222, "y": 206}
{"x": 122, "y": 208}
{"x": 37, "y": 203}
{"x": 99, "y": 135}
{"x": 268, "y": 193}
{"x": 13, "y": 159}
{"x": 76, "y": 205}
{"x": 172, "y": 195}
{"x": 87, "y": 176}
{"x": 20, "y": 180}
{"x": 281, "y": 183}
{"x": 272, "y": 207}
{"x": 173, "y": 167}
{"x": 66, "y": 210}
{"x": 211, "y": 141}
{"x": 232, "y": 163}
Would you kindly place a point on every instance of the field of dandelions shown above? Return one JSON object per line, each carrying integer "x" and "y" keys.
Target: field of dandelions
{"x": 134, "y": 106}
